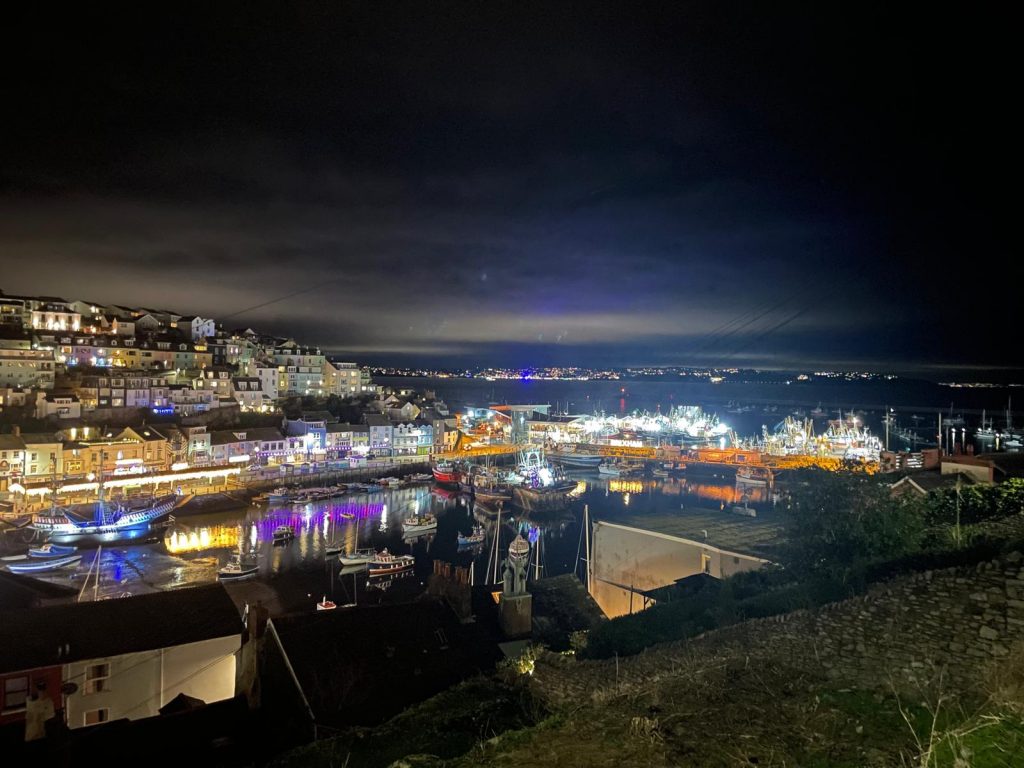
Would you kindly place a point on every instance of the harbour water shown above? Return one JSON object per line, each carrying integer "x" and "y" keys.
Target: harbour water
{"x": 294, "y": 576}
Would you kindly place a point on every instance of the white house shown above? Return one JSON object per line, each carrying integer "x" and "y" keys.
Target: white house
{"x": 120, "y": 659}
{"x": 198, "y": 328}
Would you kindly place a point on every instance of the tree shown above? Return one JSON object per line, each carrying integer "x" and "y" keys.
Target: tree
{"x": 834, "y": 522}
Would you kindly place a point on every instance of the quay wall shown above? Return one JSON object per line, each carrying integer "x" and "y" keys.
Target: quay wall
{"x": 955, "y": 625}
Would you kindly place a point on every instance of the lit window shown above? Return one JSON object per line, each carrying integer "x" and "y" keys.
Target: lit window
{"x": 96, "y": 676}
{"x": 705, "y": 563}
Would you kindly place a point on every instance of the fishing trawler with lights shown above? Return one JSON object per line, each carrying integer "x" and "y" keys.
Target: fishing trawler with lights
{"x": 537, "y": 486}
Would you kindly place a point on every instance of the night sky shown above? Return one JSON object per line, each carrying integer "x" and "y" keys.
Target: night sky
{"x": 512, "y": 183}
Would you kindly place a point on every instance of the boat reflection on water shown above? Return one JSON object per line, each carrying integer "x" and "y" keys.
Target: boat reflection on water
{"x": 384, "y": 583}
{"x": 697, "y": 493}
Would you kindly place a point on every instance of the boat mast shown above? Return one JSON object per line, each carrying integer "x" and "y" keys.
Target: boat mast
{"x": 586, "y": 533}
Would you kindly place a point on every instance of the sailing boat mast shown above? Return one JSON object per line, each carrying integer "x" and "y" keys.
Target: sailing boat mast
{"x": 586, "y": 533}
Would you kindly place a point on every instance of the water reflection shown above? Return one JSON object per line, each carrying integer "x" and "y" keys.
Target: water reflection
{"x": 196, "y": 546}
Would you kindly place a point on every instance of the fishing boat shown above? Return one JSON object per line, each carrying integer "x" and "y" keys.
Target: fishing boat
{"x": 572, "y": 460}
{"x": 49, "y": 549}
{"x": 236, "y": 570}
{"x": 385, "y": 563}
{"x": 418, "y": 525}
{"x": 42, "y": 566}
{"x": 283, "y": 534}
{"x": 104, "y": 521}
{"x": 279, "y": 496}
{"x": 752, "y": 476}
{"x": 420, "y": 477}
{"x": 446, "y": 473}
{"x": 472, "y": 539}
{"x": 326, "y": 605}
{"x": 360, "y": 557}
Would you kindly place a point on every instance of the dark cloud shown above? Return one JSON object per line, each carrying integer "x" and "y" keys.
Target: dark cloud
{"x": 549, "y": 182}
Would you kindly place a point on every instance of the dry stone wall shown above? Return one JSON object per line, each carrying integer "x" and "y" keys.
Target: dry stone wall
{"x": 956, "y": 623}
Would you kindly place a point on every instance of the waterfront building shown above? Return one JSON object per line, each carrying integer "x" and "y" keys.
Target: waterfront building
{"x": 127, "y": 658}
{"x": 12, "y": 459}
{"x": 22, "y": 365}
{"x": 311, "y": 426}
{"x": 87, "y": 451}
{"x": 381, "y": 434}
{"x": 44, "y": 453}
{"x": 347, "y": 439}
{"x": 234, "y": 447}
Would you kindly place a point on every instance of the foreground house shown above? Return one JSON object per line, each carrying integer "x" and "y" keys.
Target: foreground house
{"x": 106, "y": 660}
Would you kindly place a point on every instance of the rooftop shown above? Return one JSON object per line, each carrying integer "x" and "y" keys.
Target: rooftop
{"x": 61, "y": 634}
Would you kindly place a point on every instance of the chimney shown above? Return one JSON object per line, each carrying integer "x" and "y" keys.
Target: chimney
{"x": 16, "y": 430}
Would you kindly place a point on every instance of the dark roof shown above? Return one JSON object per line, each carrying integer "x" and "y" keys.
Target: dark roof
{"x": 347, "y": 428}
{"x": 11, "y": 443}
{"x": 376, "y": 420}
{"x": 18, "y": 592}
{"x": 344, "y": 659}
{"x": 38, "y": 637}
{"x": 327, "y": 416}
{"x": 261, "y": 433}
{"x": 39, "y": 437}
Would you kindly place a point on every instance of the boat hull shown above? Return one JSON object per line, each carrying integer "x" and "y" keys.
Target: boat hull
{"x": 449, "y": 479}
{"x": 580, "y": 460}
{"x": 540, "y": 499}
{"x": 384, "y": 570}
{"x": 134, "y": 525}
{"x": 240, "y": 576}
{"x": 43, "y": 566}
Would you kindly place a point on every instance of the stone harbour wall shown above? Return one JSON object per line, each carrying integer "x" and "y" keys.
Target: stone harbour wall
{"x": 956, "y": 623}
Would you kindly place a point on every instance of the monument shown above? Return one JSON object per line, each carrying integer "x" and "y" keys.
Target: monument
{"x": 515, "y": 607}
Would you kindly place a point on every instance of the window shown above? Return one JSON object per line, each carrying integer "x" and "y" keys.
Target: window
{"x": 96, "y": 676}
{"x": 705, "y": 563}
{"x": 97, "y": 716}
{"x": 15, "y": 692}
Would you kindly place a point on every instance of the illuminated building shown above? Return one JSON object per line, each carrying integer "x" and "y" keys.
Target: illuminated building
{"x": 22, "y": 366}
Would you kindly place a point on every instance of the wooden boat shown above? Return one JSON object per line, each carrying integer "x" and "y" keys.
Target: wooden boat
{"x": 236, "y": 570}
{"x": 419, "y": 525}
{"x": 49, "y": 549}
{"x": 42, "y": 566}
{"x": 385, "y": 563}
{"x": 104, "y": 521}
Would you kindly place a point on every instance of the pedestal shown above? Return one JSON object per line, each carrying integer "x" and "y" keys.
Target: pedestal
{"x": 515, "y": 614}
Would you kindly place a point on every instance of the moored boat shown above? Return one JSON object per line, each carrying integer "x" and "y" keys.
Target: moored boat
{"x": 385, "y": 562}
{"x": 49, "y": 549}
{"x": 359, "y": 557}
{"x": 326, "y": 605}
{"x": 42, "y": 566}
{"x": 446, "y": 474}
{"x": 575, "y": 460}
{"x": 236, "y": 570}
{"x": 104, "y": 521}
{"x": 472, "y": 539}
{"x": 283, "y": 534}
{"x": 420, "y": 524}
